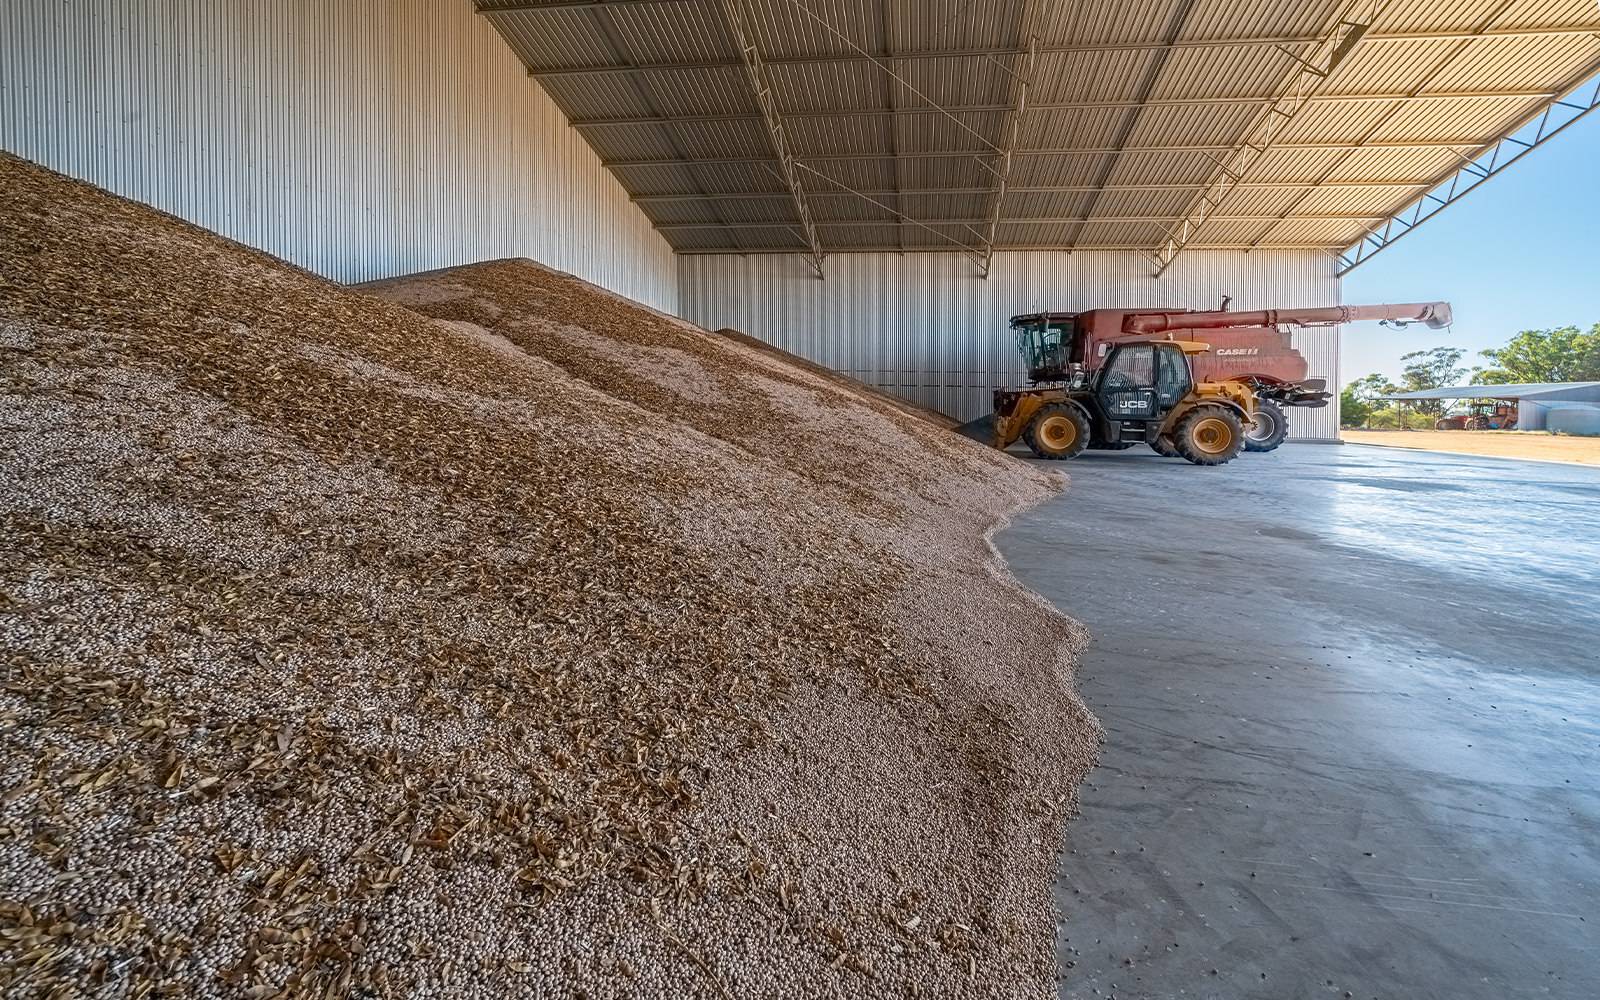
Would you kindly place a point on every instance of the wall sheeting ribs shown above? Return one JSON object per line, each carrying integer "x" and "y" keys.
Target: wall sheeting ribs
{"x": 926, "y": 327}
{"x": 360, "y": 139}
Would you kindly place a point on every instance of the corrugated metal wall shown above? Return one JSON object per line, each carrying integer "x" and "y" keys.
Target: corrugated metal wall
{"x": 360, "y": 139}
{"x": 926, "y": 327}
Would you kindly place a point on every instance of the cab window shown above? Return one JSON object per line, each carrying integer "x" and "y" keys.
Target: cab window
{"x": 1131, "y": 368}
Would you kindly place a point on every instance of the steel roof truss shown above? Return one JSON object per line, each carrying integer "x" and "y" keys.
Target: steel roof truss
{"x": 733, "y": 11}
{"x": 1021, "y": 82}
{"x": 1292, "y": 98}
{"x": 1550, "y": 121}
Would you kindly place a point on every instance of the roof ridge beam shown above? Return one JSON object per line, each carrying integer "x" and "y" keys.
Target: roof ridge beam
{"x": 932, "y": 154}
{"x": 1175, "y": 102}
{"x": 843, "y": 191}
{"x": 1264, "y": 41}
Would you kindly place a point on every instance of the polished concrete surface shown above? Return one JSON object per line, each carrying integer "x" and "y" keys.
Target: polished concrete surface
{"x": 1352, "y": 710}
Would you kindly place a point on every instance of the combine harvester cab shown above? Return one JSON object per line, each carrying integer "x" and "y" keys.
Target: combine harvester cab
{"x": 1250, "y": 348}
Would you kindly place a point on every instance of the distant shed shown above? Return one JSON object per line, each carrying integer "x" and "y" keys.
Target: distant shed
{"x": 1534, "y": 399}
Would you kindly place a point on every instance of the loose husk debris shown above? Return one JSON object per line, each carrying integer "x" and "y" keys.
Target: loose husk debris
{"x": 546, "y": 647}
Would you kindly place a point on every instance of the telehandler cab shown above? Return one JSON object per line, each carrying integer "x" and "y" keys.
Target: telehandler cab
{"x": 1144, "y": 392}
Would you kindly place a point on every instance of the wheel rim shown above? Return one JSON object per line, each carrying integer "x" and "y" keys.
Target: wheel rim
{"x": 1266, "y": 426}
{"x": 1211, "y": 436}
{"x": 1058, "y": 433}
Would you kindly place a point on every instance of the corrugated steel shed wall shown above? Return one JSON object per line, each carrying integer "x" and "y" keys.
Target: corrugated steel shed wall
{"x": 359, "y": 139}
{"x": 927, "y": 328}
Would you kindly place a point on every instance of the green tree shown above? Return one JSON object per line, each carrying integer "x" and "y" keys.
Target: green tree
{"x": 1370, "y": 387}
{"x": 1353, "y": 411}
{"x": 1562, "y": 355}
{"x": 1431, "y": 369}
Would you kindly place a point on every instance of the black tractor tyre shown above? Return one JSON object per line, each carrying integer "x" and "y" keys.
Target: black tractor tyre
{"x": 1058, "y": 431}
{"x": 1272, "y": 426}
{"x": 1164, "y": 447}
{"x": 1210, "y": 435}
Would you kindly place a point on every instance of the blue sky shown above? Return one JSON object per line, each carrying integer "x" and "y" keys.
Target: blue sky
{"x": 1522, "y": 252}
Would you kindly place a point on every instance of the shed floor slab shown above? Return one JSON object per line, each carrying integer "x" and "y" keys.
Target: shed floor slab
{"x": 1352, "y": 703}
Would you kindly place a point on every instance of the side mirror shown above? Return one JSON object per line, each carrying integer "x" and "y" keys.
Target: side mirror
{"x": 1104, "y": 349}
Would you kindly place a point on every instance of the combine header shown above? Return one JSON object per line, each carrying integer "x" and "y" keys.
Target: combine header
{"x": 1249, "y": 348}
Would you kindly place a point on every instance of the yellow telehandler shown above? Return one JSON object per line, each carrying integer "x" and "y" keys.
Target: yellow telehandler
{"x": 1143, "y": 393}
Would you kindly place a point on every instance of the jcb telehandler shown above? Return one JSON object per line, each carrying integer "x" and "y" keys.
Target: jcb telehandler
{"x": 1144, "y": 392}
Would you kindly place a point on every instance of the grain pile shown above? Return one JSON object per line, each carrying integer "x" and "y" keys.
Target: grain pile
{"x": 538, "y": 645}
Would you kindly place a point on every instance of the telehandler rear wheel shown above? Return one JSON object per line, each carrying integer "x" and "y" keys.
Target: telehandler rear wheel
{"x": 1058, "y": 431}
{"x": 1210, "y": 435}
{"x": 1270, "y": 429}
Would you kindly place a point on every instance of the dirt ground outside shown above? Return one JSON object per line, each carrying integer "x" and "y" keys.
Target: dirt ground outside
{"x": 1502, "y": 444}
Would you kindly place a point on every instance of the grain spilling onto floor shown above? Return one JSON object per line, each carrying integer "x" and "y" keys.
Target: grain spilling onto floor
{"x": 485, "y": 634}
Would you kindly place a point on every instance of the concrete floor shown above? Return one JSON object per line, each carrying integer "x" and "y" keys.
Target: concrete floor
{"x": 1352, "y": 703}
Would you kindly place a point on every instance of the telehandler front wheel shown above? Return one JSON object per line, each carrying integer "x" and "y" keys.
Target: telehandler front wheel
{"x": 1210, "y": 435}
{"x": 1058, "y": 431}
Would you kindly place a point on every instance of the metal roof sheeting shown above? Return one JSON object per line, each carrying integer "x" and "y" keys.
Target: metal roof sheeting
{"x": 1141, "y": 103}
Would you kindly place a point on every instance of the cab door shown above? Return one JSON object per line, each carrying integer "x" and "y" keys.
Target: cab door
{"x": 1173, "y": 380}
{"x": 1127, "y": 388}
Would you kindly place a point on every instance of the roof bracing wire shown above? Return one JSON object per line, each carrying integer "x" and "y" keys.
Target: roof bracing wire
{"x": 932, "y": 106}
{"x": 899, "y": 216}
{"x": 1339, "y": 36}
{"x": 1548, "y": 122}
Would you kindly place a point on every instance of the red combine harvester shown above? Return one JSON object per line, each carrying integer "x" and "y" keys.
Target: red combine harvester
{"x": 1248, "y": 347}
